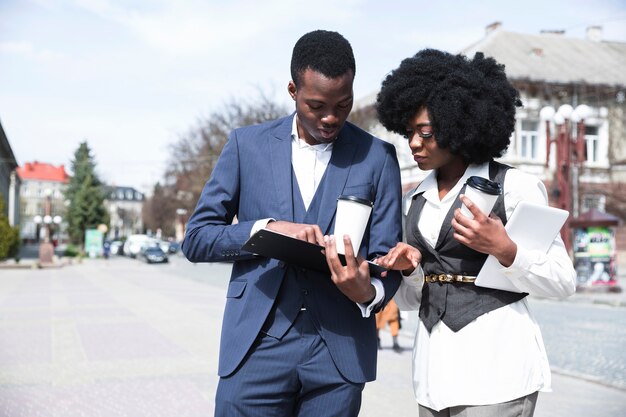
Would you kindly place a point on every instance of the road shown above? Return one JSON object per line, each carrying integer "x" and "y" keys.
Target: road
{"x": 122, "y": 338}
{"x": 582, "y": 339}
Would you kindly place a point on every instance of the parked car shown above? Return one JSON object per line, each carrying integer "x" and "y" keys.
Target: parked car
{"x": 164, "y": 245}
{"x": 134, "y": 243}
{"x": 116, "y": 247}
{"x": 174, "y": 247}
{"x": 154, "y": 255}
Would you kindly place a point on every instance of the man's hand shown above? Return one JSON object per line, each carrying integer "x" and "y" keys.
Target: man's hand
{"x": 483, "y": 234}
{"x": 308, "y": 232}
{"x": 353, "y": 279}
{"x": 402, "y": 257}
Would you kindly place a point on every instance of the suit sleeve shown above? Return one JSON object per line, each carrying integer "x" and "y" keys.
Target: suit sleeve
{"x": 211, "y": 235}
{"x": 386, "y": 225}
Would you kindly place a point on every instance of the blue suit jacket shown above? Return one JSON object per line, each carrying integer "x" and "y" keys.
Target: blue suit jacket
{"x": 252, "y": 181}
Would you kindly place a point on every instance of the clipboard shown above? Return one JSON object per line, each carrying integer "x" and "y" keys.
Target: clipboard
{"x": 295, "y": 251}
{"x": 532, "y": 226}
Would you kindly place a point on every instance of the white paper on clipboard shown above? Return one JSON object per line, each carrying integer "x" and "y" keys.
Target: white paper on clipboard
{"x": 531, "y": 226}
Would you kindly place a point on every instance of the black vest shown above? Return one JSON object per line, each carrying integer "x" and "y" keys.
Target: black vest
{"x": 456, "y": 304}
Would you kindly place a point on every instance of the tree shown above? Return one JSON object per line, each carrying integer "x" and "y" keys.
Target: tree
{"x": 85, "y": 195}
{"x": 159, "y": 211}
{"x": 195, "y": 154}
{"x": 9, "y": 236}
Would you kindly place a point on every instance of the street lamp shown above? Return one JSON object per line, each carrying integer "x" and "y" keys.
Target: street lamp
{"x": 46, "y": 249}
{"x": 570, "y": 155}
{"x": 37, "y": 220}
{"x": 47, "y": 220}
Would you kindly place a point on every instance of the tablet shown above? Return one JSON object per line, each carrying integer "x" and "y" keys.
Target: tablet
{"x": 295, "y": 251}
{"x": 531, "y": 226}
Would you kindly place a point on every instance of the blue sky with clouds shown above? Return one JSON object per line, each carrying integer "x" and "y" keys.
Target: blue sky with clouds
{"x": 131, "y": 76}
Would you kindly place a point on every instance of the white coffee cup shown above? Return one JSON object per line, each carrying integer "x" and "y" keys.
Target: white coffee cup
{"x": 483, "y": 193}
{"x": 351, "y": 219}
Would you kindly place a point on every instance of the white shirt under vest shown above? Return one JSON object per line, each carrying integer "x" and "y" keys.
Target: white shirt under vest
{"x": 500, "y": 356}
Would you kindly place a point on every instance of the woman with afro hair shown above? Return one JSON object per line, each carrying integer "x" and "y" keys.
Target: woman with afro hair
{"x": 478, "y": 351}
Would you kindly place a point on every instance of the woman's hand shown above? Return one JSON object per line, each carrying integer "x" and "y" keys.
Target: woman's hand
{"x": 483, "y": 234}
{"x": 403, "y": 257}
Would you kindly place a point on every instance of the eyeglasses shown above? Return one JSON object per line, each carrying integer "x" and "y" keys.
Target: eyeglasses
{"x": 424, "y": 131}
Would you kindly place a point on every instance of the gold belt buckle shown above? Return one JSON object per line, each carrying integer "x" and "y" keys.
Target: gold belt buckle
{"x": 448, "y": 278}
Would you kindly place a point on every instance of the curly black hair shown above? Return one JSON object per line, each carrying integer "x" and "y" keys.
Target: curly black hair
{"x": 470, "y": 102}
{"x": 326, "y": 52}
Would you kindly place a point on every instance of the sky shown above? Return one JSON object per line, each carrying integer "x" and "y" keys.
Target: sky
{"x": 131, "y": 77}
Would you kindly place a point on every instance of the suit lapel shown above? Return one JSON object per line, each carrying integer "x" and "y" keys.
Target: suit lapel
{"x": 280, "y": 164}
{"x": 335, "y": 179}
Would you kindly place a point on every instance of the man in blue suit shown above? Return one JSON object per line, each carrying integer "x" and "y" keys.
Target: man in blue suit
{"x": 297, "y": 342}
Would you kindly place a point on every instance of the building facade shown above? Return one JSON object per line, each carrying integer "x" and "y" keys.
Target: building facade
{"x": 42, "y": 200}
{"x": 9, "y": 181}
{"x": 551, "y": 70}
{"x": 125, "y": 206}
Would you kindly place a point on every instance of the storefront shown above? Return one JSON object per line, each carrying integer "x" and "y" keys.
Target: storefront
{"x": 594, "y": 249}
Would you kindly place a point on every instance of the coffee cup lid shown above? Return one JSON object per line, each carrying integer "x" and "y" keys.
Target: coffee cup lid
{"x": 484, "y": 185}
{"x": 356, "y": 199}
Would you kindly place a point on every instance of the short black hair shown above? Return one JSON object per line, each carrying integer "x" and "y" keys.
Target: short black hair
{"x": 471, "y": 103}
{"x": 326, "y": 52}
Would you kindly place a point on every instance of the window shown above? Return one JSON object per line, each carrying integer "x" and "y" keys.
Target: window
{"x": 120, "y": 195}
{"x": 129, "y": 195}
{"x": 596, "y": 201}
{"x": 592, "y": 140}
{"x": 529, "y": 140}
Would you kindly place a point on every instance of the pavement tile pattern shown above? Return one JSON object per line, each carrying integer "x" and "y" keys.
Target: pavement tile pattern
{"x": 84, "y": 341}
{"x": 120, "y": 338}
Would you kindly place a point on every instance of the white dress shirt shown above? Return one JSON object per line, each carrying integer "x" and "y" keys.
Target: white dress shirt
{"x": 500, "y": 355}
{"x": 309, "y": 163}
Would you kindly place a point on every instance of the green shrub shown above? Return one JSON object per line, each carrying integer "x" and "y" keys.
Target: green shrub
{"x": 71, "y": 251}
{"x": 9, "y": 236}
{"x": 9, "y": 240}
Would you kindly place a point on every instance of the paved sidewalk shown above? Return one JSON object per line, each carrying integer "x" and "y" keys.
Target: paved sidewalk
{"x": 122, "y": 338}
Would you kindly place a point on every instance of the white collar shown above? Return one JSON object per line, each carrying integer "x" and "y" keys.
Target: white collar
{"x": 301, "y": 143}
{"x": 430, "y": 182}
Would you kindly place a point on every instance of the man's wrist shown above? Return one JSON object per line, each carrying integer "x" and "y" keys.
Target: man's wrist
{"x": 260, "y": 224}
{"x": 367, "y": 307}
{"x": 372, "y": 297}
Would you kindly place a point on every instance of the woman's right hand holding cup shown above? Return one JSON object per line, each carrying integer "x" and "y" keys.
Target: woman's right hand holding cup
{"x": 402, "y": 257}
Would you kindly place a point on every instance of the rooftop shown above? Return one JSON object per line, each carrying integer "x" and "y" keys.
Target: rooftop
{"x": 43, "y": 172}
{"x": 120, "y": 193}
{"x": 553, "y": 57}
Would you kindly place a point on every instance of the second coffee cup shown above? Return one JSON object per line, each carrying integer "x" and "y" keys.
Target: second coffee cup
{"x": 483, "y": 194}
{"x": 351, "y": 219}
